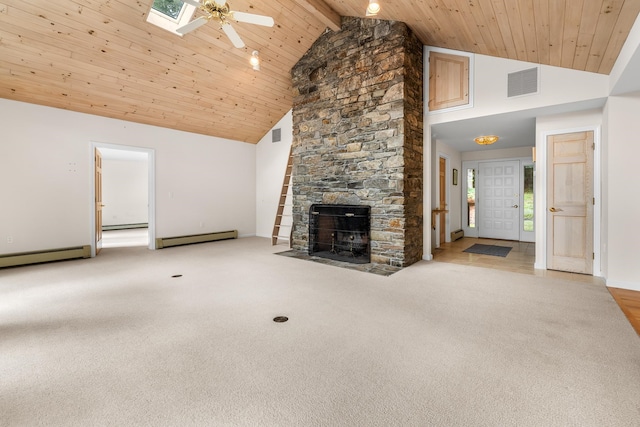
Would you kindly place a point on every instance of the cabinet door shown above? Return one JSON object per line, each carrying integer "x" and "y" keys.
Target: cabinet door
{"x": 448, "y": 80}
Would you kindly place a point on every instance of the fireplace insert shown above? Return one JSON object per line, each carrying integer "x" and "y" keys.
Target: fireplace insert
{"x": 340, "y": 232}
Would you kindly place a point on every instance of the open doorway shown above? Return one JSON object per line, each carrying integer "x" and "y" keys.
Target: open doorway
{"x": 124, "y": 217}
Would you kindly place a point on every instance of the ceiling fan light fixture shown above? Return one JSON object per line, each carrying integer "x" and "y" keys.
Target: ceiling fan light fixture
{"x": 373, "y": 8}
{"x": 255, "y": 60}
{"x": 486, "y": 139}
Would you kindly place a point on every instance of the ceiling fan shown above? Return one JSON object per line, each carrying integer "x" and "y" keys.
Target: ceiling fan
{"x": 218, "y": 10}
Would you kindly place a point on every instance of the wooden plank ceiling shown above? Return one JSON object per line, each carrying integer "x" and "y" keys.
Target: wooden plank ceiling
{"x": 102, "y": 57}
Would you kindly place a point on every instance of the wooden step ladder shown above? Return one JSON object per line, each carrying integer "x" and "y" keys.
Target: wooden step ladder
{"x": 282, "y": 203}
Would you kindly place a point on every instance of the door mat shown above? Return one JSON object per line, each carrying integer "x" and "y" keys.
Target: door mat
{"x": 494, "y": 250}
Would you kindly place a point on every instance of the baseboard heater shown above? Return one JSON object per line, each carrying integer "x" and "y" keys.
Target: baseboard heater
{"x": 165, "y": 242}
{"x": 124, "y": 226}
{"x": 37, "y": 257}
{"x": 455, "y": 235}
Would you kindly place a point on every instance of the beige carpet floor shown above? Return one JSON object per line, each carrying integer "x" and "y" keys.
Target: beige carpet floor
{"x": 117, "y": 341}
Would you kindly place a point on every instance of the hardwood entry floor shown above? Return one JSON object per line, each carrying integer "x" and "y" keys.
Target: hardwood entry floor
{"x": 521, "y": 259}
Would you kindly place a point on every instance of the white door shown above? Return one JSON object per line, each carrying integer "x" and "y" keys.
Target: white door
{"x": 570, "y": 202}
{"x": 498, "y": 198}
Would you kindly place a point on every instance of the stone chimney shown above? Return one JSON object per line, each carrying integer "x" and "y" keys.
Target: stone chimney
{"x": 357, "y": 133}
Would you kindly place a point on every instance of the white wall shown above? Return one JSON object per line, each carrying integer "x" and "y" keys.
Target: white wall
{"x": 622, "y": 192}
{"x": 557, "y": 86}
{"x": 202, "y": 183}
{"x": 503, "y": 153}
{"x": 271, "y": 163}
{"x": 624, "y": 75}
{"x": 125, "y": 192}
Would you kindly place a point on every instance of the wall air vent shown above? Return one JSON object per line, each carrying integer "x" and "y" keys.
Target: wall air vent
{"x": 523, "y": 82}
{"x": 276, "y": 135}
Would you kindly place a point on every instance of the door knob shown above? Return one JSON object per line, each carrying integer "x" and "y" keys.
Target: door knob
{"x": 514, "y": 206}
{"x": 552, "y": 209}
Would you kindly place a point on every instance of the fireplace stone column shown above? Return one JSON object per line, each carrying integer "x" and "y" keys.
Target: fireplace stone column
{"x": 357, "y": 133}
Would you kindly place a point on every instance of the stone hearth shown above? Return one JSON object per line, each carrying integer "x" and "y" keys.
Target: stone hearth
{"x": 357, "y": 134}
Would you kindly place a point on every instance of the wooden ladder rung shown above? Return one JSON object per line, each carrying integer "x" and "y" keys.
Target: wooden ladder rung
{"x": 286, "y": 182}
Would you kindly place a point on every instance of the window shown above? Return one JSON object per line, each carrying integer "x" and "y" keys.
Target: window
{"x": 171, "y": 8}
{"x": 170, "y": 14}
{"x": 527, "y": 212}
{"x": 471, "y": 198}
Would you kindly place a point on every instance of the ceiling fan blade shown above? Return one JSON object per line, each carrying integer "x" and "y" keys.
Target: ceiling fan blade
{"x": 233, "y": 35}
{"x": 252, "y": 18}
{"x": 192, "y": 3}
{"x": 196, "y": 23}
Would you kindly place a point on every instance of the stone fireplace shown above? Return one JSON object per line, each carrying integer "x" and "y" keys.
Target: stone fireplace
{"x": 340, "y": 232}
{"x": 357, "y": 136}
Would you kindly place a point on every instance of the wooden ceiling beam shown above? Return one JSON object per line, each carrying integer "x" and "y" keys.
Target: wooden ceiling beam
{"x": 323, "y": 12}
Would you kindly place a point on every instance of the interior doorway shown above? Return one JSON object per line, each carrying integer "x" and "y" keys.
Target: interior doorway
{"x": 570, "y": 202}
{"x": 126, "y": 188}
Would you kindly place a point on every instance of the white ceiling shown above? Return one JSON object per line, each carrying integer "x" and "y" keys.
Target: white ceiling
{"x": 516, "y": 129}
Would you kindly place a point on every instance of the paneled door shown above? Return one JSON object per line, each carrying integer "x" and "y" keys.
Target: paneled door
{"x": 498, "y": 198}
{"x": 442, "y": 183}
{"x": 570, "y": 202}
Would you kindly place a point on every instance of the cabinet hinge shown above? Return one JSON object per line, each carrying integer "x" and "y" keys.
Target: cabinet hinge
{"x": 593, "y": 255}
{"x": 594, "y": 200}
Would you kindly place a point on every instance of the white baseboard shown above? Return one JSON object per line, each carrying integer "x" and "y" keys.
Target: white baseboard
{"x": 623, "y": 285}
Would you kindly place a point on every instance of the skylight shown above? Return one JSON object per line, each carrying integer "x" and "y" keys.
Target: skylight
{"x": 170, "y": 14}
{"x": 171, "y": 8}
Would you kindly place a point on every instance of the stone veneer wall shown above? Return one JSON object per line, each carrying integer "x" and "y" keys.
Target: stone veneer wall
{"x": 357, "y": 133}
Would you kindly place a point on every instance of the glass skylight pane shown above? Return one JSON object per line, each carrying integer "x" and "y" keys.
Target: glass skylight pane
{"x": 170, "y": 8}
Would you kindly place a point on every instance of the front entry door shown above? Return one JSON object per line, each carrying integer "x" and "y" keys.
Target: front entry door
{"x": 498, "y": 198}
{"x": 99, "y": 205}
{"x": 570, "y": 202}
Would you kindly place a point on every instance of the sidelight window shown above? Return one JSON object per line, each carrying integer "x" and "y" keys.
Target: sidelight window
{"x": 471, "y": 197}
{"x": 527, "y": 211}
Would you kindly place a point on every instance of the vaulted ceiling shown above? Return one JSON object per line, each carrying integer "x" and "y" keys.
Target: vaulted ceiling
{"x": 102, "y": 57}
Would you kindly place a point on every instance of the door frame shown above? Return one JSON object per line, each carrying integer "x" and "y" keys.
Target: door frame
{"x": 151, "y": 188}
{"x": 540, "y": 216}
{"x": 447, "y": 178}
{"x": 523, "y": 236}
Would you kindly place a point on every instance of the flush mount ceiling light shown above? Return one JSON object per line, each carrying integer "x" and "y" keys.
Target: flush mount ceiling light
{"x": 373, "y": 8}
{"x": 255, "y": 60}
{"x": 486, "y": 139}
